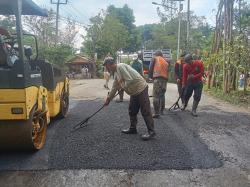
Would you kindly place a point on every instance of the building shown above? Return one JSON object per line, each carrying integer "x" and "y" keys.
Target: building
{"x": 79, "y": 63}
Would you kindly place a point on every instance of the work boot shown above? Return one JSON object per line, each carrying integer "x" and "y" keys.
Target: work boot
{"x": 194, "y": 108}
{"x": 130, "y": 131}
{"x": 148, "y": 136}
{"x": 162, "y": 112}
{"x": 162, "y": 106}
{"x": 156, "y": 104}
{"x": 156, "y": 115}
{"x": 119, "y": 100}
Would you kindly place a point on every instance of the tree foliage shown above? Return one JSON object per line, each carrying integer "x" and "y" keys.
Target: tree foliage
{"x": 230, "y": 49}
{"x": 111, "y": 31}
{"x": 8, "y": 22}
{"x": 44, "y": 29}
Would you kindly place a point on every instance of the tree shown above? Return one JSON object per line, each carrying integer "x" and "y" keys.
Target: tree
{"x": 8, "y": 23}
{"x": 57, "y": 54}
{"x": 106, "y": 34}
{"x": 42, "y": 27}
{"x": 114, "y": 35}
{"x": 169, "y": 10}
{"x": 68, "y": 35}
{"x": 125, "y": 16}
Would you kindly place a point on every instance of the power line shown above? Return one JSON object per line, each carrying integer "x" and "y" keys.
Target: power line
{"x": 58, "y": 3}
{"x": 77, "y": 10}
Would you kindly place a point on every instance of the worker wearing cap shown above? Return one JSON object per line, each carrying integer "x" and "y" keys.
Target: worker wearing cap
{"x": 133, "y": 84}
{"x": 158, "y": 71}
{"x": 193, "y": 72}
{"x": 178, "y": 69}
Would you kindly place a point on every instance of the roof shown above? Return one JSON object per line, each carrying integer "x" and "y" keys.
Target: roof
{"x": 80, "y": 60}
{"x": 28, "y": 8}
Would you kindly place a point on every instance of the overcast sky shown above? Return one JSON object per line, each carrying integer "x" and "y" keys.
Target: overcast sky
{"x": 144, "y": 10}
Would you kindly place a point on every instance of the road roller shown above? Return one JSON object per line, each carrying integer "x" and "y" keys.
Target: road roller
{"x": 32, "y": 91}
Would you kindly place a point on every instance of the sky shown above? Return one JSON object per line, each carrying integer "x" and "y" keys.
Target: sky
{"x": 144, "y": 11}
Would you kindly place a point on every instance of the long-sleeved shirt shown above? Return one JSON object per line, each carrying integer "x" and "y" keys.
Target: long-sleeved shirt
{"x": 178, "y": 69}
{"x": 196, "y": 68}
{"x": 128, "y": 79}
{"x": 137, "y": 65}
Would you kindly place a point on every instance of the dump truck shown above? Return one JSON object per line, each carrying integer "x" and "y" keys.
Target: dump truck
{"x": 32, "y": 91}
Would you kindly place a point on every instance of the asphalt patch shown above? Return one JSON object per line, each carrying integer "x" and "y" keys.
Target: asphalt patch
{"x": 101, "y": 145}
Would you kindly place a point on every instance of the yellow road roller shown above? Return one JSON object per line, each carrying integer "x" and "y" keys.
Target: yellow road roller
{"x": 32, "y": 91}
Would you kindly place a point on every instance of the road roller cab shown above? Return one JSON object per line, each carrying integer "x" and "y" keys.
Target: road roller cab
{"x": 31, "y": 90}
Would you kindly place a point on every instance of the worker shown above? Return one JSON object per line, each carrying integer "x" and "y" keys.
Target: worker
{"x": 106, "y": 73}
{"x": 106, "y": 76}
{"x": 133, "y": 84}
{"x": 136, "y": 64}
{"x": 193, "y": 72}
{"x": 178, "y": 69}
{"x": 158, "y": 71}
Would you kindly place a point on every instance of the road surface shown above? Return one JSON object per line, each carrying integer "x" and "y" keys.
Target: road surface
{"x": 211, "y": 150}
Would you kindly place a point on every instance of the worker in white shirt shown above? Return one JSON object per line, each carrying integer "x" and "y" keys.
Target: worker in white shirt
{"x": 133, "y": 84}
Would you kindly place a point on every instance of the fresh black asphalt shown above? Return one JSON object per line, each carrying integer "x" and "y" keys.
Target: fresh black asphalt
{"x": 101, "y": 145}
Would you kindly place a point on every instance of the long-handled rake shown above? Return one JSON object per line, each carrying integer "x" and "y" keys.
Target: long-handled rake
{"x": 176, "y": 105}
{"x": 84, "y": 122}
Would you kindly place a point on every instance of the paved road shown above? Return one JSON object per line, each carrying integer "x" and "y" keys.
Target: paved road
{"x": 211, "y": 150}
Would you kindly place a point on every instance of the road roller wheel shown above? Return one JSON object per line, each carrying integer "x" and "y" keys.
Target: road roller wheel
{"x": 39, "y": 129}
{"x": 64, "y": 104}
{"x": 28, "y": 135}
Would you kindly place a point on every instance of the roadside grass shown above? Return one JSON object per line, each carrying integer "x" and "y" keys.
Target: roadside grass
{"x": 234, "y": 97}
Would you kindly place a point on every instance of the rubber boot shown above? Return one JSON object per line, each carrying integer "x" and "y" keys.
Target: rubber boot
{"x": 162, "y": 105}
{"x": 156, "y": 104}
{"x": 194, "y": 108}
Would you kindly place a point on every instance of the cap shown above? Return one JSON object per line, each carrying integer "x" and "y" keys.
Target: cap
{"x": 135, "y": 56}
{"x": 158, "y": 53}
{"x": 188, "y": 58}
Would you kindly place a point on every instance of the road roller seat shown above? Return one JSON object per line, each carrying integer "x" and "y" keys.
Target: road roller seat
{"x": 47, "y": 75}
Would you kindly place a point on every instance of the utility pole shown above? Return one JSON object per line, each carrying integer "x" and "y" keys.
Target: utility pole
{"x": 179, "y": 19}
{"x": 188, "y": 24}
{"x": 240, "y": 15}
{"x": 58, "y": 3}
{"x": 179, "y": 29}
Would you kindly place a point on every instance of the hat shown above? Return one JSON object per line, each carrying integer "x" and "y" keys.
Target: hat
{"x": 188, "y": 58}
{"x": 135, "y": 56}
{"x": 108, "y": 61}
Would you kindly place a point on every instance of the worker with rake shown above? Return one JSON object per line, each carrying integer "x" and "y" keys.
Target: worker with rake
{"x": 129, "y": 80}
